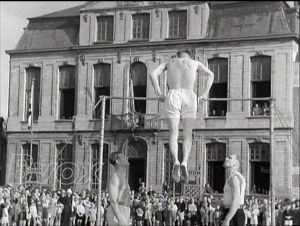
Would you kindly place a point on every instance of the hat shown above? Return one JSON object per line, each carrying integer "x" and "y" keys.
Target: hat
{"x": 69, "y": 191}
{"x": 287, "y": 202}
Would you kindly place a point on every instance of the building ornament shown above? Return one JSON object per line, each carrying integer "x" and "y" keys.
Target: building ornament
{"x": 216, "y": 55}
{"x": 85, "y": 16}
{"x": 138, "y": 3}
{"x": 196, "y": 9}
{"x": 121, "y": 15}
{"x": 157, "y": 11}
{"x": 119, "y": 57}
{"x": 82, "y": 59}
{"x": 259, "y": 52}
{"x": 154, "y": 54}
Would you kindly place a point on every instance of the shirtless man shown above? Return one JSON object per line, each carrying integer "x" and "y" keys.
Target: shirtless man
{"x": 234, "y": 193}
{"x": 118, "y": 213}
{"x": 181, "y": 101}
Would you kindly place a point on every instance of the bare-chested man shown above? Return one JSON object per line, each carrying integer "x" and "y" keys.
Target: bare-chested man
{"x": 181, "y": 101}
{"x": 234, "y": 193}
{"x": 118, "y": 213}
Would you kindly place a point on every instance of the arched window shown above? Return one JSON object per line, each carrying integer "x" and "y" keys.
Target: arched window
{"x": 102, "y": 87}
{"x": 33, "y": 73}
{"x": 219, "y": 66}
{"x": 67, "y": 91}
{"x": 95, "y": 166}
{"x": 260, "y": 83}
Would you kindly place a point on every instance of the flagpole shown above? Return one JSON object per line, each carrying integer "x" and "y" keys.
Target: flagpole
{"x": 31, "y": 127}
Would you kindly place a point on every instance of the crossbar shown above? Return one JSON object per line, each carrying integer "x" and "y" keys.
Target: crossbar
{"x": 209, "y": 99}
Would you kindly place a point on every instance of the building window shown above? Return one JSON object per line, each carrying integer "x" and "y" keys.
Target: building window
{"x": 67, "y": 91}
{"x": 260, "y": 84}
{"x": 219, "y": 66}
{"x": 260, "y": 167}
{"x": 177, "y": 24}
{"x": 215, "y": 156}
{"x": 105, "y": 28}
{"x": 31, "y": 159}
{"x": 140, "y": 26}
{"x": 139, "y": 86}
{"x": 95, "y": 166}
{"x": 102, "y": 87}
{"x": 33, "y": 73}
{"x": 65, "y": 165}
{"x": 169, "y": 167}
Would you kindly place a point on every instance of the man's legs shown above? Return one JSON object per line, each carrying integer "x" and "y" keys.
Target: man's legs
{"x": 173, "y": 124}
{"x": 188, "y": 124}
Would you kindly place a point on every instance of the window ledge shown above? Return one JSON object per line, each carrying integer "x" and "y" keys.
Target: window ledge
{"x": 103, "y": 42}
{"x": 175, "y": 38}
{"x": 215, "y": 117}
{"x": 98, "y": 119}
{"x": 138, "y": 40}
{"x": 258, "y": 117}
{"x": 64, "y": 120}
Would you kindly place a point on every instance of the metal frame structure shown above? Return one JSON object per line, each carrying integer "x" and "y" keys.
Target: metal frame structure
{"x": 102, "y": 100}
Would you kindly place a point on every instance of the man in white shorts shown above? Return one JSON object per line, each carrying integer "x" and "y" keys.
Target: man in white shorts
{"x": 181, "y": 102}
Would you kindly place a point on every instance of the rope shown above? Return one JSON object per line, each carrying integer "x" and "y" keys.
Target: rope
{"x": 290, "y": 142}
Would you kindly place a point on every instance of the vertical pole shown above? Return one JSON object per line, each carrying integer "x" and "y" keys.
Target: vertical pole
{"x": 272, "y": 175}
{"x": 55, "y": 169}
{"x": 100, "y": 157}
{"x": 21, "y": 165}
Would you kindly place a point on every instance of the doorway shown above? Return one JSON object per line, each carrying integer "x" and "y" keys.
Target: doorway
{"x": 216, "y": 175}
{"x": 260, "y": 172}
{"x": 137, "y": 155}
{"x": 136, "y": 173}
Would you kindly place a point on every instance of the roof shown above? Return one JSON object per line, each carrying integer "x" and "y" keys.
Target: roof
{"x": 248, "y": 20}
{"x": 70, "y": 12}
{"x": 227, "y": 20}
{"x": 52, "y": 33}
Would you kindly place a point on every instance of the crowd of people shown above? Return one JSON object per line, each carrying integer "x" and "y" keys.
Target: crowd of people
{"x": 31, "y": 207}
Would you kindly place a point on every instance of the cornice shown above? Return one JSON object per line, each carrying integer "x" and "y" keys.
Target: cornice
{"x": 132, "y": 44}
{"x": 144, "y": 7}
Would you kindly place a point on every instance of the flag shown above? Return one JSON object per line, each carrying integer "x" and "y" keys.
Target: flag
{"x": 30, "y": 107}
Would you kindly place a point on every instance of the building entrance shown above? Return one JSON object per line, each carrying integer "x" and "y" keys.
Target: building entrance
{"x": 216, "y": 175}
{"x": 136, "y": 173}
{"x": 137, "y": 154}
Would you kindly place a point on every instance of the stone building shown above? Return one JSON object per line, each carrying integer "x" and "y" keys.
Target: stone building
{"x": 110, "y": 48}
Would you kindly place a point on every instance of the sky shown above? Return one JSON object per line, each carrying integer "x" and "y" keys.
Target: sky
{"x": 13, "y": 18}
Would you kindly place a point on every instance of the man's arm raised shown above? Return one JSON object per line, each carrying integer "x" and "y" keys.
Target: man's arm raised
{"x": 209, "y": 82}
{"x": 113, "y": 190}
{"x": 154, "y": 79}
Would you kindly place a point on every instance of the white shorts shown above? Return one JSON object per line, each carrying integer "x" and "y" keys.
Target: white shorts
{"x": 180, "y": 102}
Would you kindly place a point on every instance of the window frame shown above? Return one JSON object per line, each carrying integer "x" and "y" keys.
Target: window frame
{"x": 142, "y": 32}
{"x": 66, "y": 84}
{"x": 95, "y": 154}
{"x": 37, "y": 92}
{"x": 216, "y": 65}
{"x": 107, "y": 35}
{"x": 179, "y": 28}
{"x": 99, "y": 88}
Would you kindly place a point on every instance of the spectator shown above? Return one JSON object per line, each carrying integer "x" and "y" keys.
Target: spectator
{"x": 257, "y": 110}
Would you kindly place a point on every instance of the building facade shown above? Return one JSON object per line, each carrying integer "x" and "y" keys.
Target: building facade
{"x": 110, "y": 48}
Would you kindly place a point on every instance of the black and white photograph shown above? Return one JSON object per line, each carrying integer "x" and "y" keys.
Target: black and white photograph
{"x": 149, "y": 113}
